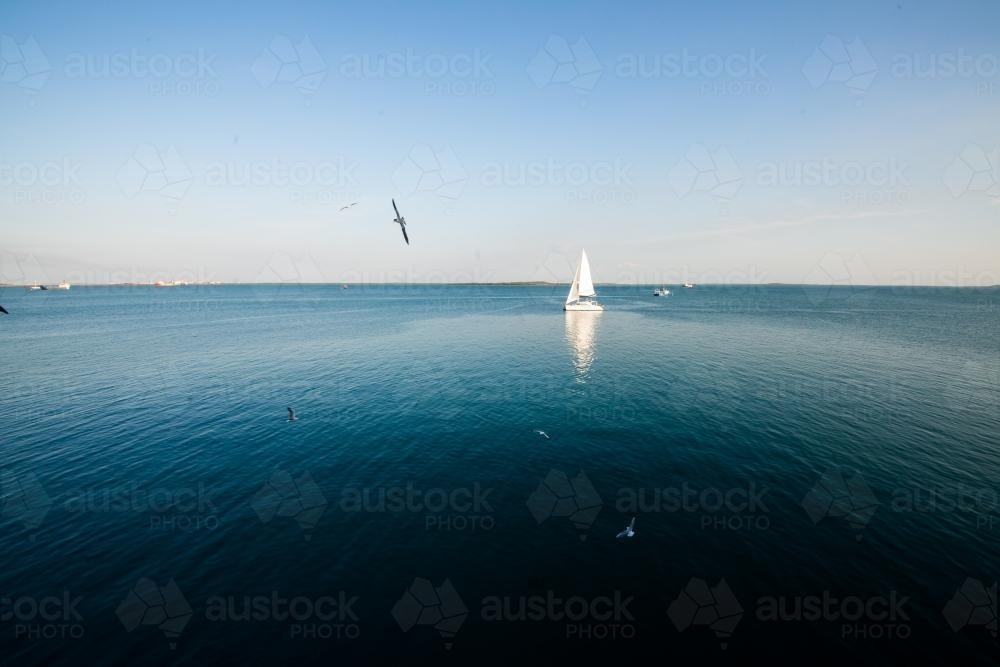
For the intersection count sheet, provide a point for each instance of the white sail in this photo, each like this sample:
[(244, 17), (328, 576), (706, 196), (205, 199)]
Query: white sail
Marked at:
[(574, 289), (581, 292), (586, 285)]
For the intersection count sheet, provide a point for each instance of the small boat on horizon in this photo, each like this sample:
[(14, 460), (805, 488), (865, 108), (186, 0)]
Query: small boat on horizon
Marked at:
[(661, 291), (582, 295), (687, 284)]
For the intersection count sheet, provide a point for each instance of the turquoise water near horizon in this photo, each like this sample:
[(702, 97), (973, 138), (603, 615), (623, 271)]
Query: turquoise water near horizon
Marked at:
[(146, 438)]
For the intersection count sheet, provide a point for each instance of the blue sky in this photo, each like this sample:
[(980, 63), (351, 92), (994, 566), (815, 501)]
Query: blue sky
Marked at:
[(713, 177)]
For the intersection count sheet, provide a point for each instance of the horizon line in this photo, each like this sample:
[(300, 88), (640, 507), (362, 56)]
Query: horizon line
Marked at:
[(511, 283)]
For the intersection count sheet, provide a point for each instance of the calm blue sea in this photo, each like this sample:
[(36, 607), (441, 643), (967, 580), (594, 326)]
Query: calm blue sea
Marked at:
[(814, 473)]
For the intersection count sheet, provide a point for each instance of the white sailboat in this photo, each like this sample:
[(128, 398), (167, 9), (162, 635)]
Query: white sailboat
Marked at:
[(581, 293)]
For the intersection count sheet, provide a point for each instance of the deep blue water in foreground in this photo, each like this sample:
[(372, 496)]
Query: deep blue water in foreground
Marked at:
[(145, 434)]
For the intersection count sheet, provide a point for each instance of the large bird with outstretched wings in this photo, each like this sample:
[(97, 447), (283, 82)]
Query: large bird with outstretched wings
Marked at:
[(401, 221)]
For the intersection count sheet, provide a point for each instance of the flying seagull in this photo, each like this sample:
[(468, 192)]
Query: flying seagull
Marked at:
[(291, 415), (4, 310), (542, 433), (402, 222), (353, 203), (629, 530)]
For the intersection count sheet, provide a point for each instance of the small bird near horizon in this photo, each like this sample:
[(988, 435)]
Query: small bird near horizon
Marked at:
[(353, 203), (401, 221), (629, 530), (4, 310), (543, 434), (291, 415)]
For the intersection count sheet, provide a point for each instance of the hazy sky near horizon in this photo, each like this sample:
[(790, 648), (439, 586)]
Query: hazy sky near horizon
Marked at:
[(750, 142)]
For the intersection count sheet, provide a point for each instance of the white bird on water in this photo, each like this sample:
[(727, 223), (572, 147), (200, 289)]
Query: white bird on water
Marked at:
[(291, 415), (629, 530), (543, 434)]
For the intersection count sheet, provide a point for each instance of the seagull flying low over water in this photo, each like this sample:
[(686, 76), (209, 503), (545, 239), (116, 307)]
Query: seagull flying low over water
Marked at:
[(402, 222), (4, 310), (353, 203), (291, 415), (629, 530), (542, 433)]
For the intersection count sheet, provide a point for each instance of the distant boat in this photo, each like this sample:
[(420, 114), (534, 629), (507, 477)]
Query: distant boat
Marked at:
[(581, 293), (661, 291), (687, 284), (63, 285)]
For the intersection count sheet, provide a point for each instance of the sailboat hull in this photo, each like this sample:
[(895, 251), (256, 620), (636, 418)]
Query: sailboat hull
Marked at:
[(583, 306)]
